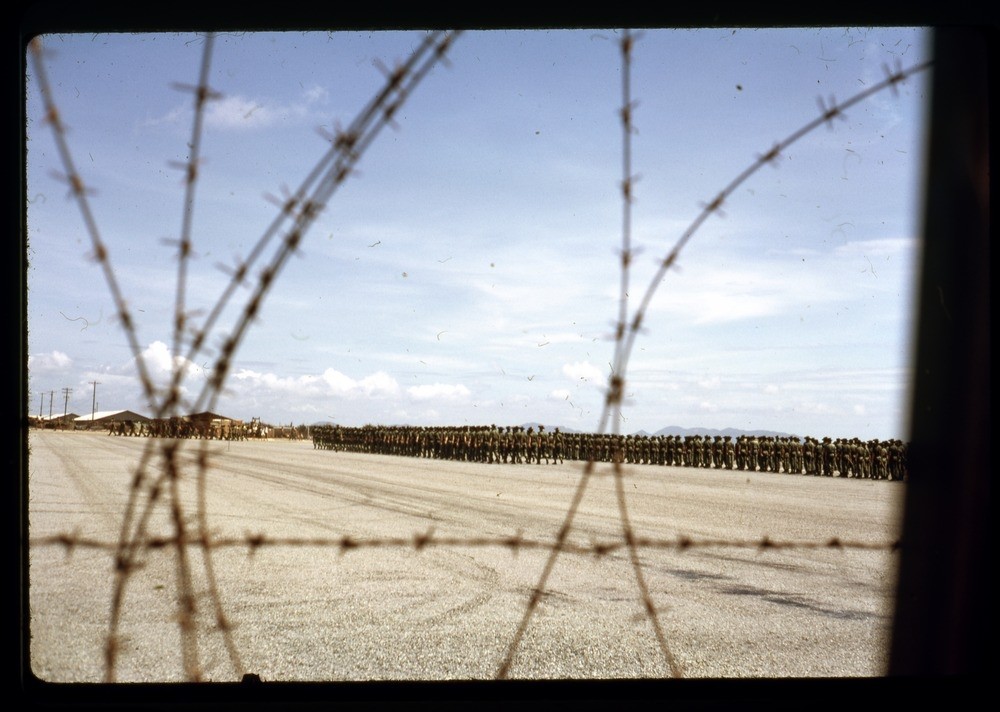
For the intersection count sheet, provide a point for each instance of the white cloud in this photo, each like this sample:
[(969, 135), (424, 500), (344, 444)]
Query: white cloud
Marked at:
[(237, 112), (176, 115), (330, 382), (442, 391), (159, 361), (262, 384), (560, 394), (878, 248), (584, 371), (157, 357), (315, 94), (49, 363), (810, 408), (719, 296), (338, 382), (379, 383)]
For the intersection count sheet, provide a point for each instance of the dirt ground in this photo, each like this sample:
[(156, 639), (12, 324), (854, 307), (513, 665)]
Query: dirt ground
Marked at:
[(303, 608)]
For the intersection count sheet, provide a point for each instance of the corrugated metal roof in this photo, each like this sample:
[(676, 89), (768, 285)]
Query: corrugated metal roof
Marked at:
[(111, 415)]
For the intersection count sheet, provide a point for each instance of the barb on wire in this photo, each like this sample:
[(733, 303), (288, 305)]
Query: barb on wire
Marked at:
[(612, 405), (670, 259), (300, 211), (296, 215), (80, 191), (252, 543), (626, 330), (202, 94)]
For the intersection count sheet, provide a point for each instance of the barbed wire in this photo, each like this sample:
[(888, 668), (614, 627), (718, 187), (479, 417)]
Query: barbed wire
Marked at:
[(295, 217), (73, 542), (300, 211)]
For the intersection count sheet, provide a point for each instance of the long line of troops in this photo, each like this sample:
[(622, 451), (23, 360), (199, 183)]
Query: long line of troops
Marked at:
[(842, 457), (185, 428)]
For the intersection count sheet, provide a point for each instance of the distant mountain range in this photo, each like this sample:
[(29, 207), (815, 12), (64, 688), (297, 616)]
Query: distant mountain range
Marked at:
[(677, 430), (669, 430), (733, 432)]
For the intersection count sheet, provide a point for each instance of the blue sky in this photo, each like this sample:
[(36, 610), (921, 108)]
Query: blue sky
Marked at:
[(468, 272)]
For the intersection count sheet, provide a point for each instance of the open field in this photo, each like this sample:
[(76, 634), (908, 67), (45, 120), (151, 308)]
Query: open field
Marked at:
[(449, 612)]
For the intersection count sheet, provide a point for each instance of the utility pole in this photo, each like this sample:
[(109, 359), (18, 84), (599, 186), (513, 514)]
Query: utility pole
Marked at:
[(41, 403), (93, 405), (51, 395), (66, 392)]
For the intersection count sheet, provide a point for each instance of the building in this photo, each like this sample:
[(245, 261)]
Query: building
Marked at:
[(54, 422), (102, 420)]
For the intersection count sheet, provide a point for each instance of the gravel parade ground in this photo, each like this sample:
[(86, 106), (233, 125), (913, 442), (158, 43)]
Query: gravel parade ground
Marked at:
[(397, 612)]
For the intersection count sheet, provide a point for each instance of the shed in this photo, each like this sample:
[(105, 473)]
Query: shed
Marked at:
[(102, 420)]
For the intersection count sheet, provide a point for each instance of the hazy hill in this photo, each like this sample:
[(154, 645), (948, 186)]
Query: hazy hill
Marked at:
[(670, 430), (733, 432), (549, 428), (677, 430)]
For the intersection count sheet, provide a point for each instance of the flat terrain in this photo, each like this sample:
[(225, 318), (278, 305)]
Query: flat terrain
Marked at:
[(314, 612)]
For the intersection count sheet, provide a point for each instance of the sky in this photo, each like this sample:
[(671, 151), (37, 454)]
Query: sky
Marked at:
[(468, 272)]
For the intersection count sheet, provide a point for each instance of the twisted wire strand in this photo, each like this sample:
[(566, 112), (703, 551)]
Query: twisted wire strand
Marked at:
[(79, 193), (345, 544), (826, 116), (300, 211), (326, 176)]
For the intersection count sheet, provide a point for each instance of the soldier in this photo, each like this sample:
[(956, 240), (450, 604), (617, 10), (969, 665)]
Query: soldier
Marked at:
[(544, 445), (809, 455), (866, 453), (656, 449), (753, 447), (880, 465), (897, 460), (506, 439), (829, 452), (681, 458), (693, 450), (840, 457), (603, 445), (490, 445), (775, 453), (728, 452), (782, 464), (741, 449), (558, 446), (465, 444), (520, 445), (794, 455), (717, 452), (764, 446)]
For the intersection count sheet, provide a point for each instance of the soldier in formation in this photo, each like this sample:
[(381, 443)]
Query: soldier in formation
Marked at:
[(875, 459), (176, 427)]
